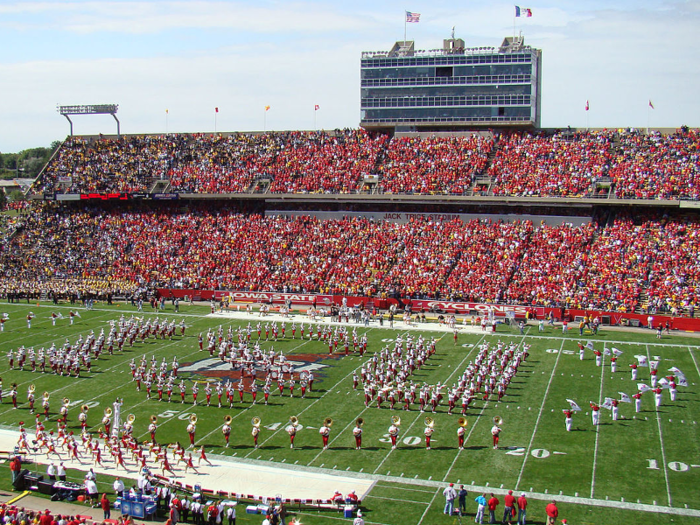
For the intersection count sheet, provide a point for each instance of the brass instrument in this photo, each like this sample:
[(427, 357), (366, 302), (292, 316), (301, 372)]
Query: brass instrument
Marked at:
[(108, 412), (84, 408), (462, 421), (193, 419), (255, 421), (395, 420), (66, 401), (228, 419), (154, 419), (32, 388), (360, 422), (294, 421), (429, 422), (131, 418), (46, 395), (328, 422), (498, 420)]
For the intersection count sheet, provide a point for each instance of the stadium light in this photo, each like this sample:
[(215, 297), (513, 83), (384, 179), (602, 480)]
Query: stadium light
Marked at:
[(89, 109)]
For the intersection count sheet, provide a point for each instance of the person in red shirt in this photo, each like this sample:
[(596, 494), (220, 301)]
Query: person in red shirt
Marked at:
[(552, 512), (508, 510), (492, 504), (522, 509)]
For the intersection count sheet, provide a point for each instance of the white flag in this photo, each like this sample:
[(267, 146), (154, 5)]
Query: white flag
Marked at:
[(606, 350), (574, 405), (589, 345), (607, 404), (654, 365), (664, 382), (616, 351), (624, 398), (680, 376), (642, 359), (643, 387)]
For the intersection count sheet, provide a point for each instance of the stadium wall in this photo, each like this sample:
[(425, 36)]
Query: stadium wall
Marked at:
[(435, 306)]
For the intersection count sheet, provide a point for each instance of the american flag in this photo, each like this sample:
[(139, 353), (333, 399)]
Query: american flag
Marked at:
[(412, 18)]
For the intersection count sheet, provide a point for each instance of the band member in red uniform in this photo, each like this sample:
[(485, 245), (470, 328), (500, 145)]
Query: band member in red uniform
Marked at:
[(394, 433), (357, 433), (192, 428), (292, 431), (595, 414), (496, 432), (325, 432), (568, 419), (226, 429)]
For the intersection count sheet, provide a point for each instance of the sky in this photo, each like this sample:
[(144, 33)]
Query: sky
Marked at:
[(169, 64)]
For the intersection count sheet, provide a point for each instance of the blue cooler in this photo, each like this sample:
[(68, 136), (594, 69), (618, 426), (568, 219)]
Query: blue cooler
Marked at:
[(347, 513), (251, 509)]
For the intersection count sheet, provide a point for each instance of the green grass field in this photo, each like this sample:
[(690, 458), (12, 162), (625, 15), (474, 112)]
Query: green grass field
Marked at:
[(652, 459)]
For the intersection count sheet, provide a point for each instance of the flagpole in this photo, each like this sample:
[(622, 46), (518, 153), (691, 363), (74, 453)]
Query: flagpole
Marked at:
[(215, 115), (404, 26), (314, 118), (166, 121), (265, 121), (648, 116)]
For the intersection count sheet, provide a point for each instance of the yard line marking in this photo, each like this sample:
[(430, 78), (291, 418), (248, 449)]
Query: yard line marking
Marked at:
[(437, 491), (345, 520), (458, 367), (539, 415), (597, 427), (661, 442), (328, 391), (690, 351), (396, 499), (466, 438)]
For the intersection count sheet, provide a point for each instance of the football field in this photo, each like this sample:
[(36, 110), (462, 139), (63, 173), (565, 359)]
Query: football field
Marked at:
[(629, 470)]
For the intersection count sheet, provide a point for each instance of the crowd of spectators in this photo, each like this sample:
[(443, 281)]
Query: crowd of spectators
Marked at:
[(625, 265), (654, 166), (539, 165), (561, 164), (434, 165)]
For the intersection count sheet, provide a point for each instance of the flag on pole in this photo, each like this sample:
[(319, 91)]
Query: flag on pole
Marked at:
[(616, 351), (642, 359), (589, 345), (216, 109), (522, 11), (654, 365), (574, 405), (643, 387), (316, 107), (267, 108), (651, 105), (606, 350), (624, 398), (412, 18), (588, 106), (607, 404), (682, 381)]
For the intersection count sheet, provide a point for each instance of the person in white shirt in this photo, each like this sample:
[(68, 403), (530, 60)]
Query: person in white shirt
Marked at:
[(358, 520), (118, 487)]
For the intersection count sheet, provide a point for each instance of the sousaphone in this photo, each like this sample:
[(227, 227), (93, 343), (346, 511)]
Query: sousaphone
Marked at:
[(108, 412), (32, 388), (462, 421), (396, 420), (328, 422), (193, 419), (359, 422), (131, 418), (66, 401), (154, 419), (498, 420), (429, 422), (294, 421), (84, 408), (228, 419), (255, 421)]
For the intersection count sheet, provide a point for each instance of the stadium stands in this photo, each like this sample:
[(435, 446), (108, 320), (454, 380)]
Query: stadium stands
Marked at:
[(561, 164), (627, 265)]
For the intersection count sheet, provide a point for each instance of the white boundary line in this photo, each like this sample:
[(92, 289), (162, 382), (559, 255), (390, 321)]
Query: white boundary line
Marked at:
[(597, 427), (437, 491), (456, 369), (690, 351), (661, 442), (539, 415)]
